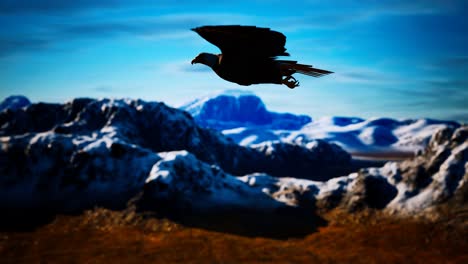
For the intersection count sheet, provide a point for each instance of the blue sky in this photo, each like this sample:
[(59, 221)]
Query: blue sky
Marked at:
[(400, 59)]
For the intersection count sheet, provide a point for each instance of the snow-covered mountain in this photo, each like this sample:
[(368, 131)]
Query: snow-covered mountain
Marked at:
[(415, 187), (90, 151), (236, 108), (14, 102), (87, 153), (373, 135), (242, 116)]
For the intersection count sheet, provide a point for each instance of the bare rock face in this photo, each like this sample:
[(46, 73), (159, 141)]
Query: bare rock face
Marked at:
[(416, 187), (317, 160), (420, 185), (437, 174)]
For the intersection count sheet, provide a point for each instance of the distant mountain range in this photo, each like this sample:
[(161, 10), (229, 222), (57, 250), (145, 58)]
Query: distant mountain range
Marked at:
[(236, 108), (243, 117)]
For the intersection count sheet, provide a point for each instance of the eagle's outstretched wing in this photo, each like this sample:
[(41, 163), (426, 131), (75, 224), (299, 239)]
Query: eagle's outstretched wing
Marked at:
[(238, 40)]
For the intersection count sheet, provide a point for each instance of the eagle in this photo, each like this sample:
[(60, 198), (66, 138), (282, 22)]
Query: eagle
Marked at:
[(249, 56)]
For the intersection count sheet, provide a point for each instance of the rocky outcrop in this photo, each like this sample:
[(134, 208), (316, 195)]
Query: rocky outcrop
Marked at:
[(89, 152), (414, 187)]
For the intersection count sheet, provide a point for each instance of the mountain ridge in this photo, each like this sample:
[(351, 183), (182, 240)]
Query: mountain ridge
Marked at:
[(353, 134), (97, 149), (87, 152)]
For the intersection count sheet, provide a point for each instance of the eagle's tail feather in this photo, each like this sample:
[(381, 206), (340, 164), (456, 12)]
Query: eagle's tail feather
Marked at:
[(303, 69)]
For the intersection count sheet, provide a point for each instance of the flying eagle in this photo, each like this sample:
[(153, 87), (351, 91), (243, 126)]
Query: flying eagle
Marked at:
[(249, 56)]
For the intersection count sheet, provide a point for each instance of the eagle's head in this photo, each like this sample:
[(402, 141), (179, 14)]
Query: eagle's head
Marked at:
[(207, 59)]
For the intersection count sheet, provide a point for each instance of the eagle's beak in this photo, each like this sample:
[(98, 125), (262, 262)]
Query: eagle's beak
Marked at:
[(196, 60)]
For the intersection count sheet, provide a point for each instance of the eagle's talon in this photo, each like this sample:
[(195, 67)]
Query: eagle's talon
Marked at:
[(290, 82)]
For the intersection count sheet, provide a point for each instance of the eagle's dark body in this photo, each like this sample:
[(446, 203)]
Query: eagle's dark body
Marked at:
[(259, 70), (249, 56)]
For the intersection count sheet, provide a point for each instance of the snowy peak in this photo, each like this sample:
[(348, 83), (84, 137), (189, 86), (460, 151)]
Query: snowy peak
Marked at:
[(243, 117), (232, 109), (245, 108), (195, 106), (14, 102)]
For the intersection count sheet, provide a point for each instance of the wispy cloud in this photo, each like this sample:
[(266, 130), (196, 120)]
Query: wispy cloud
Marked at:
[(444, 93), (45, 34), (454, 62), (193, 68), (352, 12), (10, 46), (448, 83), (104, 89), (175, 23), (417, 7), (74, 19), (63, 7), (362, 75), (182, 67), (53, 6)]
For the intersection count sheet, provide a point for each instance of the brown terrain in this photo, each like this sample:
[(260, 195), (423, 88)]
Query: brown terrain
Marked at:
[(105, 236)]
